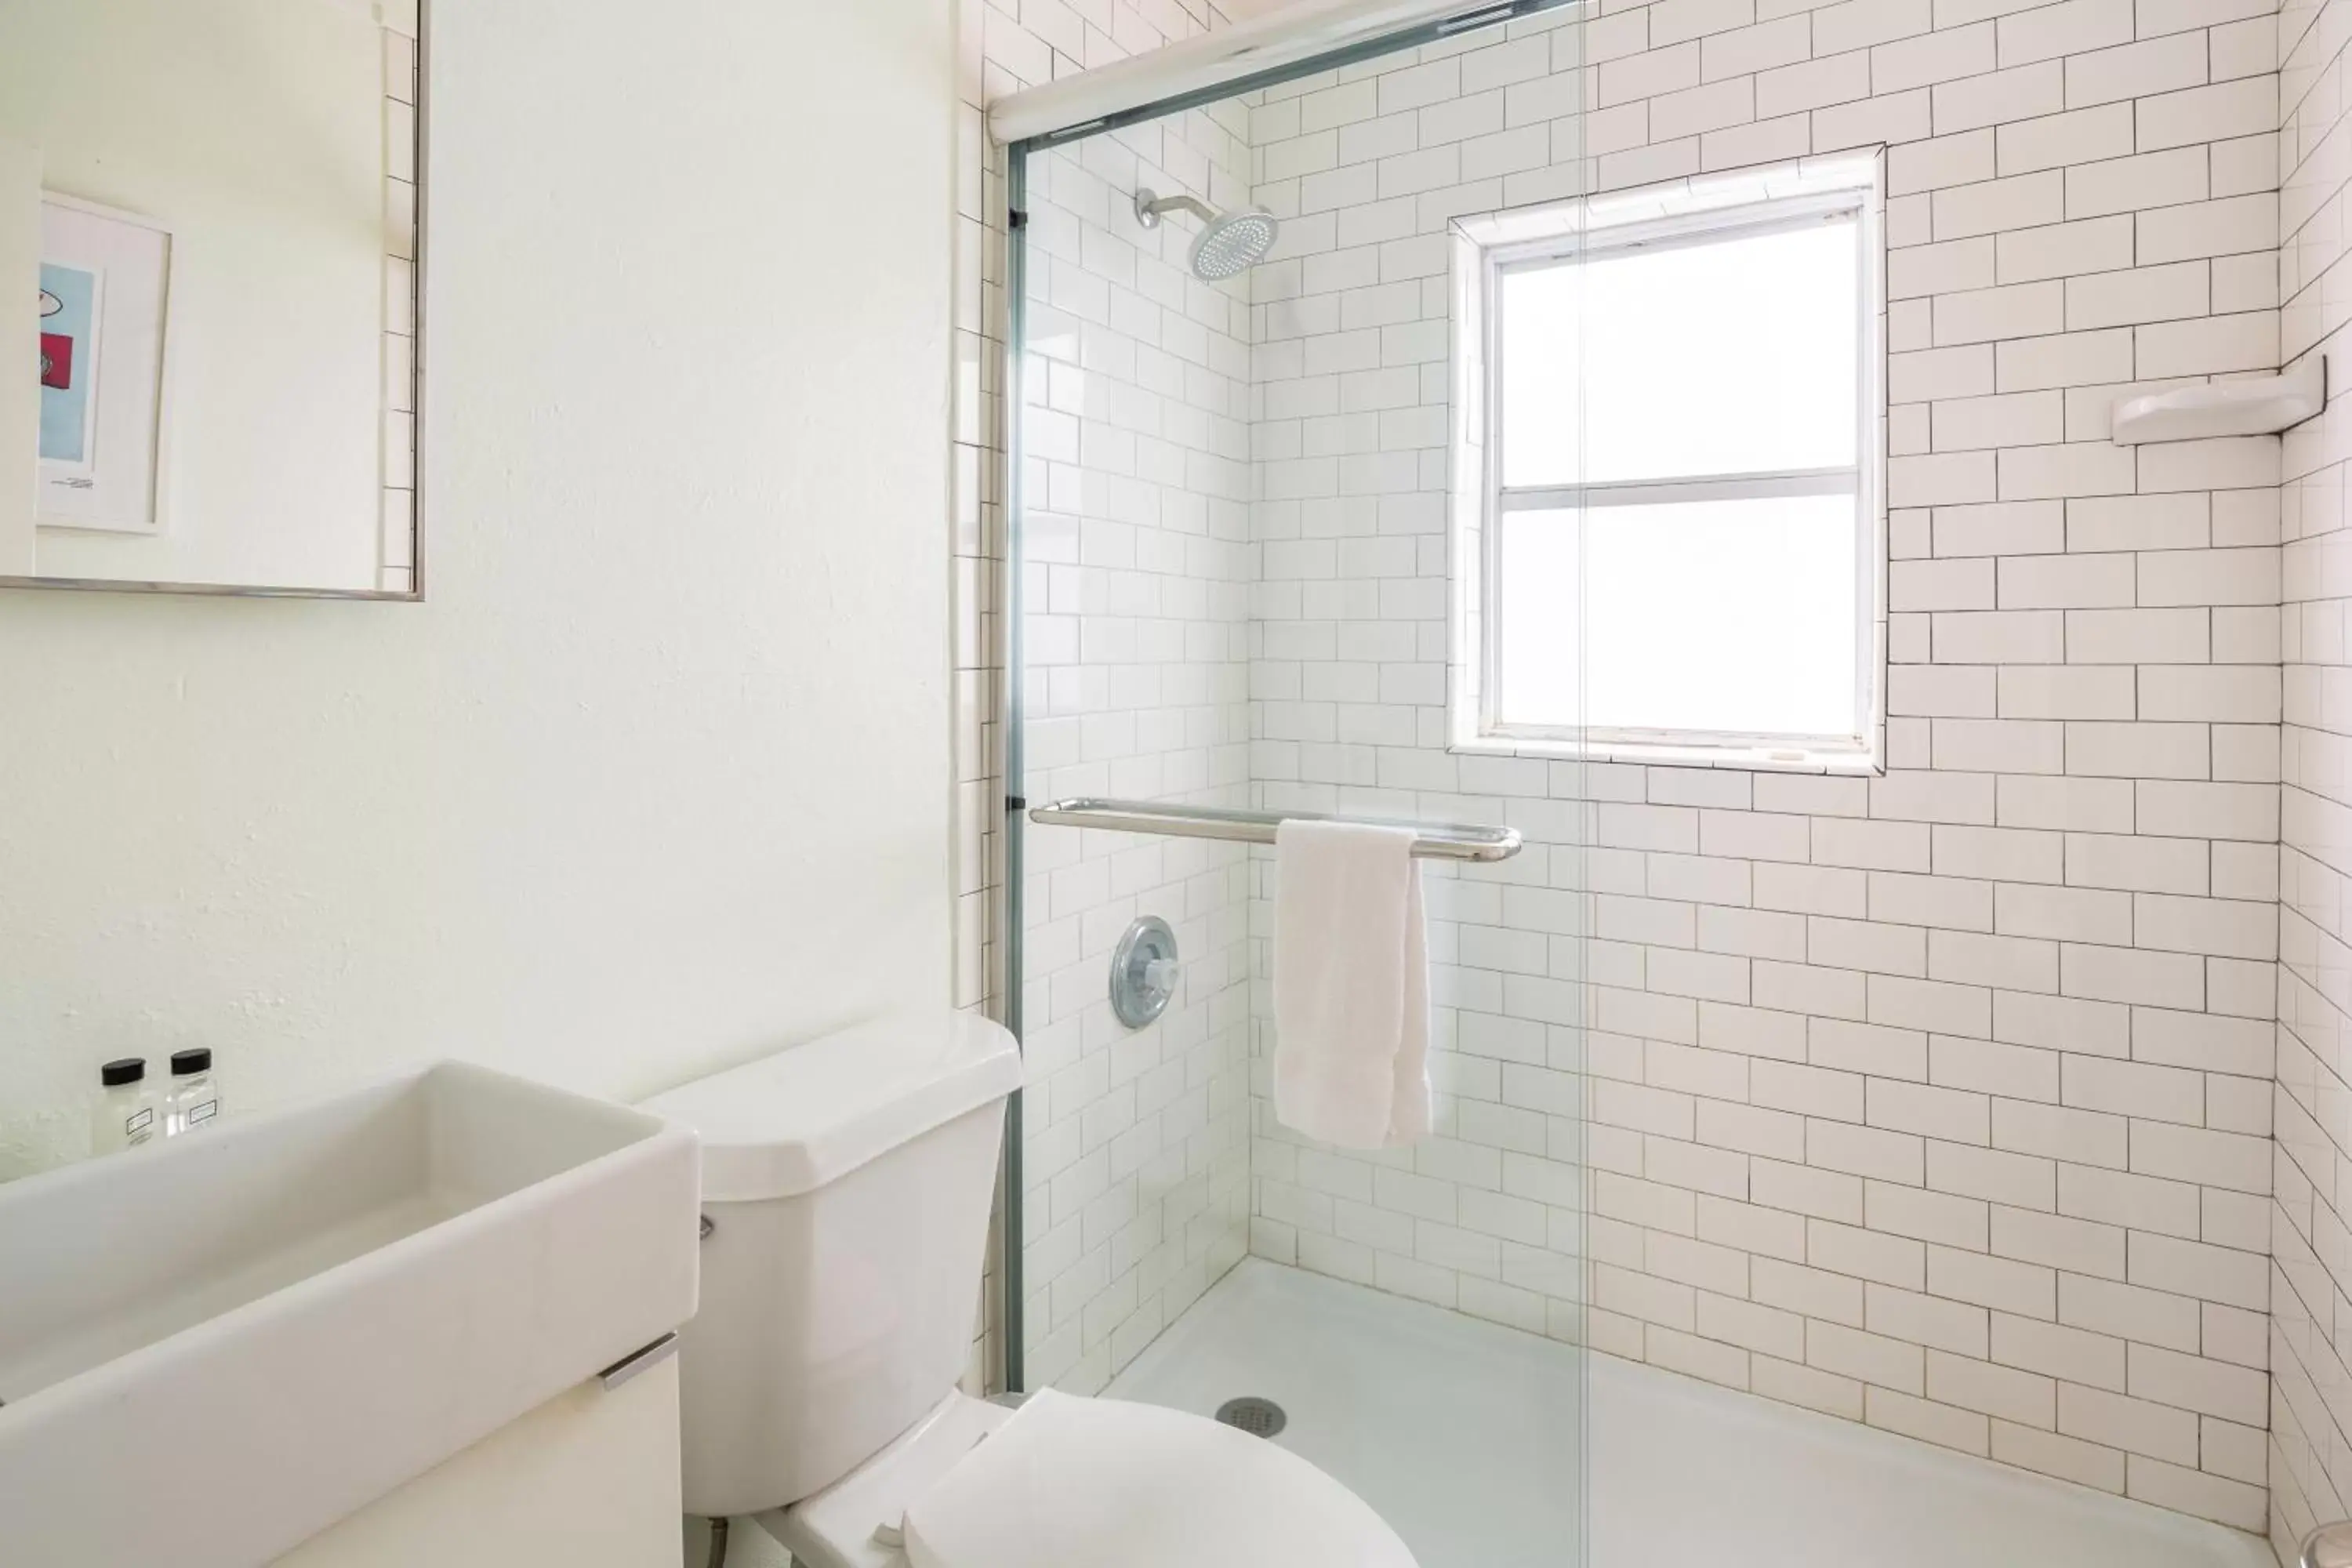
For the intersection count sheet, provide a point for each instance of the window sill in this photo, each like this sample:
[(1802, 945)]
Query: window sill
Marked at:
[(1834, 764)]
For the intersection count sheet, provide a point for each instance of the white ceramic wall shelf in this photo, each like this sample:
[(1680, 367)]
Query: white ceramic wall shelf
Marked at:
[(2261, 406)]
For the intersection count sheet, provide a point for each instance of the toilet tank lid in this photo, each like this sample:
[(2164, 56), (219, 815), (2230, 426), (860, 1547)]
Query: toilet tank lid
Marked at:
[(788, 1124)]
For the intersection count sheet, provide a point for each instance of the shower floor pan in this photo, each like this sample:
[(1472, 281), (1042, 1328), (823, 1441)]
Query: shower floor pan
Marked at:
[(1467, 1438)]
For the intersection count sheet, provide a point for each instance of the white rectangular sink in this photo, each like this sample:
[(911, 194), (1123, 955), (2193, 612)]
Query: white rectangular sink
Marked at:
[(213, 1347)]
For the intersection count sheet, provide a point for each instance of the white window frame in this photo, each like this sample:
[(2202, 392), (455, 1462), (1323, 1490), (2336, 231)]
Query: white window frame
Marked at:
[(1689, 213)]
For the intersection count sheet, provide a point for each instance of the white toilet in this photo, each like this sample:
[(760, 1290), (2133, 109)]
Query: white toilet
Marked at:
[(847, 1186)]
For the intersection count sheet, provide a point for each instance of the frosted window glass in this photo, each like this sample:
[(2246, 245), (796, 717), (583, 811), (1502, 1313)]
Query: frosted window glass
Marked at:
[(1736, 616), (1726, 356)]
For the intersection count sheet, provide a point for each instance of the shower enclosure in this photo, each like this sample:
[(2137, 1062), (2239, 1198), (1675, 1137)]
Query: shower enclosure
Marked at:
[(1852, 1138), (1234, 422)]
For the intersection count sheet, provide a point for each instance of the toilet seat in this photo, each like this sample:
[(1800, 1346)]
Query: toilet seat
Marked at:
[(1070, 1482)]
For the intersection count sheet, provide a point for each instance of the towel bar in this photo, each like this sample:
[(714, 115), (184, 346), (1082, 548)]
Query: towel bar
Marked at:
[(1436, 840)]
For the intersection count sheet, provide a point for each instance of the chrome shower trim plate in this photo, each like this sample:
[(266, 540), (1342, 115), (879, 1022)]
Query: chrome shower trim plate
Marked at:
[(1143, 971)]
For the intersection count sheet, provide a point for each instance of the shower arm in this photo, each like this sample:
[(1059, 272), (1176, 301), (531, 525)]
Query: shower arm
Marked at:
[(1147, 207)]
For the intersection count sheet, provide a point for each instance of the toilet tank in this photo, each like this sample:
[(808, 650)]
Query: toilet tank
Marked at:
[(846, 1184)]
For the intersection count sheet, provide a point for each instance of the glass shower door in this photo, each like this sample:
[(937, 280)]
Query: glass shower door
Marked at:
[(1240, 527)]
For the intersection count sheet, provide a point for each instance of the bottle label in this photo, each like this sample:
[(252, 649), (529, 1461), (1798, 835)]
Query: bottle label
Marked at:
[(138, 1123), (200, 1114)]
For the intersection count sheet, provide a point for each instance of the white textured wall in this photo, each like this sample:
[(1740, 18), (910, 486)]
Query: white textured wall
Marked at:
[(1938, 1101), (659, 776)]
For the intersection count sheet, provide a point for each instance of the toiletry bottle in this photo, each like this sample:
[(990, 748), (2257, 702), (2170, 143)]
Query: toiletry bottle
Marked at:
[(194, 1098), (123, 1115)]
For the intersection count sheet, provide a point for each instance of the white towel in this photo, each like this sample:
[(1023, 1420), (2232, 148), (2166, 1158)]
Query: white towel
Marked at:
[(1350, 986)]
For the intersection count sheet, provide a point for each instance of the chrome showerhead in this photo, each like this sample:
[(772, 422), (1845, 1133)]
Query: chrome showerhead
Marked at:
[(1234, 243), (1228, 243)]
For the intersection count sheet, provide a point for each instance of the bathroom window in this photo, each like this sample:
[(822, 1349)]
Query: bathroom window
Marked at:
[(1675, 548)]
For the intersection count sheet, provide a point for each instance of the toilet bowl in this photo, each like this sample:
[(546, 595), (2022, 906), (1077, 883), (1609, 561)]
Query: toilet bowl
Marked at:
[(846, 1186)]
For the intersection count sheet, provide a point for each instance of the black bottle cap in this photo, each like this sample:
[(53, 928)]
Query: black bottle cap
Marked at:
[(199, 1060), (122, 1070)]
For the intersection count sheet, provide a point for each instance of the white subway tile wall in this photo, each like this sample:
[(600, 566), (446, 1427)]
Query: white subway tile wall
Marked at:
[(2311, 1318), (1941, 1101), (1003, 48), (1938, 1101)]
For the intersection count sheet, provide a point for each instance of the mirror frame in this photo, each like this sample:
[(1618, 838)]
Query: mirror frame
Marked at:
[(415, 592)]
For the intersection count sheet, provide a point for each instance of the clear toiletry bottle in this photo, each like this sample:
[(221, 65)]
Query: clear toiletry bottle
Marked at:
[(124, 1115), (195, 1099)]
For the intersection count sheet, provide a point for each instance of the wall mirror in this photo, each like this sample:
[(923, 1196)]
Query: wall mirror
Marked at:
[(216, 205)]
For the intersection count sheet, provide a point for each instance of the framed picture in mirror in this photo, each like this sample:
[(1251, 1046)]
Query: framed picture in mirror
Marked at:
[(105, 311)]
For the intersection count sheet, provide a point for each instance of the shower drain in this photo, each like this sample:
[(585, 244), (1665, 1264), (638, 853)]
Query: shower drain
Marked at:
[(1258, 1417)]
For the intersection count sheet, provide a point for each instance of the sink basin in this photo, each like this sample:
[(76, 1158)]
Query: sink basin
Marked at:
[(213, 1347)]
